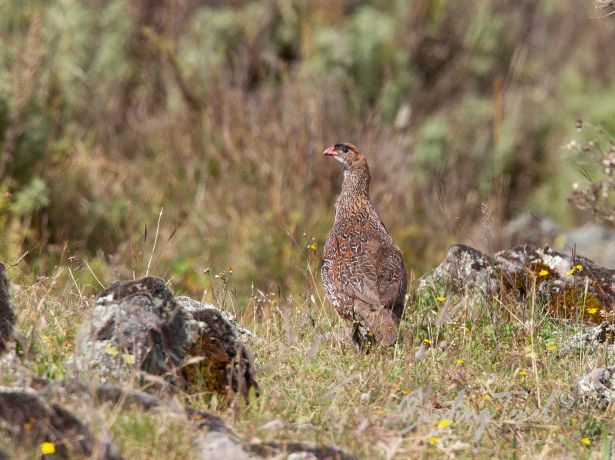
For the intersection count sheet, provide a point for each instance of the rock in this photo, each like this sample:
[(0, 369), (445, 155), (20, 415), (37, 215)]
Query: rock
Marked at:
[(593, 240), (7, 318), (188, 304), (298, 451), (590, 339), (597, 387), (570, 287), (30, 419), (227, 362), (139, 328), (463, 268), (34, 415), (218, 442)]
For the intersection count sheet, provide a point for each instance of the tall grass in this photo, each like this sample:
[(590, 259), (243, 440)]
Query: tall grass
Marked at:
[(110, 111)]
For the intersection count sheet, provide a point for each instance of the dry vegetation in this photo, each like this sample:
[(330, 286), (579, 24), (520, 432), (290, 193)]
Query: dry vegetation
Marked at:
[(182, 138)]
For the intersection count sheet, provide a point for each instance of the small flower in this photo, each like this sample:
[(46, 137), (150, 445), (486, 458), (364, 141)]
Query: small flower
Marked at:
[(591, 311), (312, 247), (427, 341), (440, 298), (586, 441), (486, 397), (111, 350), (445, 422), (433, 440), (543, 272), (521, 374), (459, 361), (128, 359), (48, 448), (576, 268)]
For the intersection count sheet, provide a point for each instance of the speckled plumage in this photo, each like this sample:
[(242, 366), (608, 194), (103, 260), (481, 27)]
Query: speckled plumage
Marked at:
[(363, 270)]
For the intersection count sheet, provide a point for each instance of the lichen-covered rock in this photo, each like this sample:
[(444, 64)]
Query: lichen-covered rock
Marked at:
[(138, 328), (216, 441), (227, 363), (570, 286), (7, 318), (463, 268), (54, 411), (31, 420), (598, 387), (135, 325), (590, 339), (298, 451), (189, 305)]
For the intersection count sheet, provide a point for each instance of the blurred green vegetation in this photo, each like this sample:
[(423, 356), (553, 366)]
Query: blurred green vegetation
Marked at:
[(216, 112)]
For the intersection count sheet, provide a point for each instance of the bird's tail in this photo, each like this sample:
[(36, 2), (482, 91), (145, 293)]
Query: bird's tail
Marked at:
[(382, 326)]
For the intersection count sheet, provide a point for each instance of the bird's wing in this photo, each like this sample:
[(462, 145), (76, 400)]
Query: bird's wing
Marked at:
[(392, 278), (379, 274)]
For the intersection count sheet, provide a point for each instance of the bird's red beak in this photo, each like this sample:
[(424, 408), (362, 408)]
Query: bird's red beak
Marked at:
[(330, 152)]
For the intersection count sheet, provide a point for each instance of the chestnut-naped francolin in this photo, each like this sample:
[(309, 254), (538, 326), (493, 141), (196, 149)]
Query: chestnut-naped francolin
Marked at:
[(363, 270)]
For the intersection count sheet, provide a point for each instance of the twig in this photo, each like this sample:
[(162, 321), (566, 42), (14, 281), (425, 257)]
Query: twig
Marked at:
[(149, 262)]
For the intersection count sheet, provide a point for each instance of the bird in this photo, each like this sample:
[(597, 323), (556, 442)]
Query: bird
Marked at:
[(363, 271)]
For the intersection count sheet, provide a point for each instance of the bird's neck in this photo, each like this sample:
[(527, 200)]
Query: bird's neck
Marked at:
[(355, 191)]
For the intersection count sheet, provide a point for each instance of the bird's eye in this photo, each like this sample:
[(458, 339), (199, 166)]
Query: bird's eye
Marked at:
[(344, 149)]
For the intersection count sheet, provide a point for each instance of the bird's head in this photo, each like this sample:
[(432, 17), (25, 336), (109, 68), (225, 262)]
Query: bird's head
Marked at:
[(347, 154)]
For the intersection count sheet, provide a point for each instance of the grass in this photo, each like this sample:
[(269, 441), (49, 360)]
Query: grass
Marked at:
[(185, 142), (487, 383)]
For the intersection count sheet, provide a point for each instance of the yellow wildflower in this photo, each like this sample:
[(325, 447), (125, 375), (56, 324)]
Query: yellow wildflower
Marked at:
[(433, 440), (440, 298), (111, 350), (543, 272), (592, 310), (576, 268), (312, 247), (128, 359), (521, 374), (444, 423), (459, 361), (48, 448), (427, 341), (586, 441), (486, 397)]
